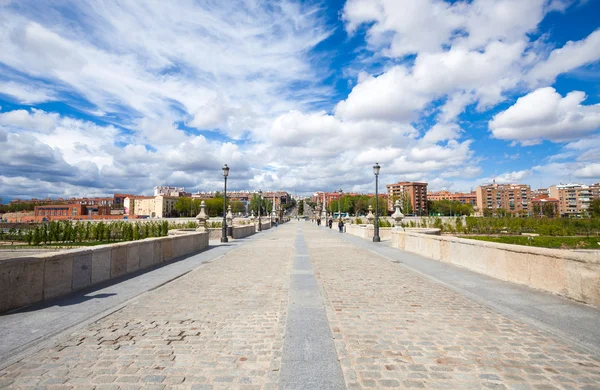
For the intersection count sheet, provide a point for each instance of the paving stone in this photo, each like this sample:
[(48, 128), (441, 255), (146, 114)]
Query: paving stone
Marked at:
[(214, 326), (409, 329), (222, 326)]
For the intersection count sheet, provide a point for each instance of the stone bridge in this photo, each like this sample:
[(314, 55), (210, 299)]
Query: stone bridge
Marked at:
[(302, 307)]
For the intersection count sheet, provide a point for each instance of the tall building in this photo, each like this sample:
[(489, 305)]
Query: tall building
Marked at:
[(462, 197), (159, 206), (414, 192), (512, 198), (574, 199)]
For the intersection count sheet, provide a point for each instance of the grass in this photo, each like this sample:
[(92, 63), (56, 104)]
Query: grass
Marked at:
[(544, 241)]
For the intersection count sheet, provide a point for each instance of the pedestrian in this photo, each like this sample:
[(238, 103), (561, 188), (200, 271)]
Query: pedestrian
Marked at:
[(341, 226), (330, 223), (276, 222)]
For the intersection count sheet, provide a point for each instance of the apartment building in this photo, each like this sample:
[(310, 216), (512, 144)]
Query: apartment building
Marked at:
[(415, 192), (159, 206), (512, 198), (462, 197), (574, 199)]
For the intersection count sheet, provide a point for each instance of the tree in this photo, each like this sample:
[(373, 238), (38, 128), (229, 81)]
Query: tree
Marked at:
[(255, 203), (406, 204), (382, 204), (594, 209), (238, 207), (301, 208)]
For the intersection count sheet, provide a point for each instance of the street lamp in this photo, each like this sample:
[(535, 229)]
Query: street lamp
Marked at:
[(224, 229), (259, 206), (340, 205), (376, 169)]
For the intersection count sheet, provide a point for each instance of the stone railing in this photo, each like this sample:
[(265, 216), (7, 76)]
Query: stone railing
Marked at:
[(243, 231), (367, 231), (572, 274), (27, 280)]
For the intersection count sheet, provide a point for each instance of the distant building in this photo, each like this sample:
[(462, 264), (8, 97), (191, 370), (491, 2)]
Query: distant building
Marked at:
[(171, 191), (69, 211), (544, 206), (540, 193), (511, 198), (462, 197), (574, 199), (159, 206), (407, 190)]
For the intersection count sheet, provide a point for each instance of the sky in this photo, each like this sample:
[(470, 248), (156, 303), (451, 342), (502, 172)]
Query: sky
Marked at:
[(102, 97)]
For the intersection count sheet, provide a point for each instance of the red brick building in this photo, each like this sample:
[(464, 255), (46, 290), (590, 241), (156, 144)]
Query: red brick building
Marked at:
[(70, 211)]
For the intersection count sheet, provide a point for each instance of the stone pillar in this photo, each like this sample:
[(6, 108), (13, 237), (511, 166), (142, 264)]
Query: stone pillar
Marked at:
[(370, 216), (229, 219), (397, 216), (202, 218)]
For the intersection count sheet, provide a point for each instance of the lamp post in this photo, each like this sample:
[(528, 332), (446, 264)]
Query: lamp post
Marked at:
[(376, 169), (224, 229), (259, 206), (340, 205)]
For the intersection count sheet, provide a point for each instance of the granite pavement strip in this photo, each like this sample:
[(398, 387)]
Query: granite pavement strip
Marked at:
[(394, 328), (219, 326)]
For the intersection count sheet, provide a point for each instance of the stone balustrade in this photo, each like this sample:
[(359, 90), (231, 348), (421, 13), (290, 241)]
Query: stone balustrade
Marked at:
[(572, 274), (27, 280)]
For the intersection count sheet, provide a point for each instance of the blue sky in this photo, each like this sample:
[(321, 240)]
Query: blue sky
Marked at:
[(99, 96)]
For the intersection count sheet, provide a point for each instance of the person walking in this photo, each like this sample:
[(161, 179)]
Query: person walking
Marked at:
[(330, 223), (341, 226)]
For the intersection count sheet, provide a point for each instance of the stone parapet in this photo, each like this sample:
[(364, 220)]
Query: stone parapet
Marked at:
[(27, 280), (367, 231), (571, 274), (243, 231)]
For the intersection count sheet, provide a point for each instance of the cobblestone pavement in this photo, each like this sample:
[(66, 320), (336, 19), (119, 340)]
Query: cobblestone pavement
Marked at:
[(396, 329), (220, 326)]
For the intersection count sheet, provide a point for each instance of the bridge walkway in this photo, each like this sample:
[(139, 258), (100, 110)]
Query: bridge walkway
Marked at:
[(304, 307)]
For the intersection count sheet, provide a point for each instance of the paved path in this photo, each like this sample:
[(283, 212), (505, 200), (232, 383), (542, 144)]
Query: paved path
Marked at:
[(35, 324), (304, 299)]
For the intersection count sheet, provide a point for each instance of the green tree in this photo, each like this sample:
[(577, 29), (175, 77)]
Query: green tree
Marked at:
[(594, 209), (301, 208), (255, 203), (238, 207)]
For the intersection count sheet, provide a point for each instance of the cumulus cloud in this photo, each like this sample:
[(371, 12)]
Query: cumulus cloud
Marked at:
[(414, 26), (571, 56), (175, 92), (591, 171), (36, 120), (545, 114)]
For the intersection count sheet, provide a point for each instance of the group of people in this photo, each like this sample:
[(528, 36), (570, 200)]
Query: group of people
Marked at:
[(330, 223)]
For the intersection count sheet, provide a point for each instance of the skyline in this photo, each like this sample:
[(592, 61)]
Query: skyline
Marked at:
[(100, 97)]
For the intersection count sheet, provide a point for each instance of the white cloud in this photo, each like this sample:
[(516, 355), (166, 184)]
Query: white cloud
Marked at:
[(36, 120), (226, 65), (248, 70), (509, 177), (26, 94), (415, 26), (591, 171), (571, 56), (545, 114)]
